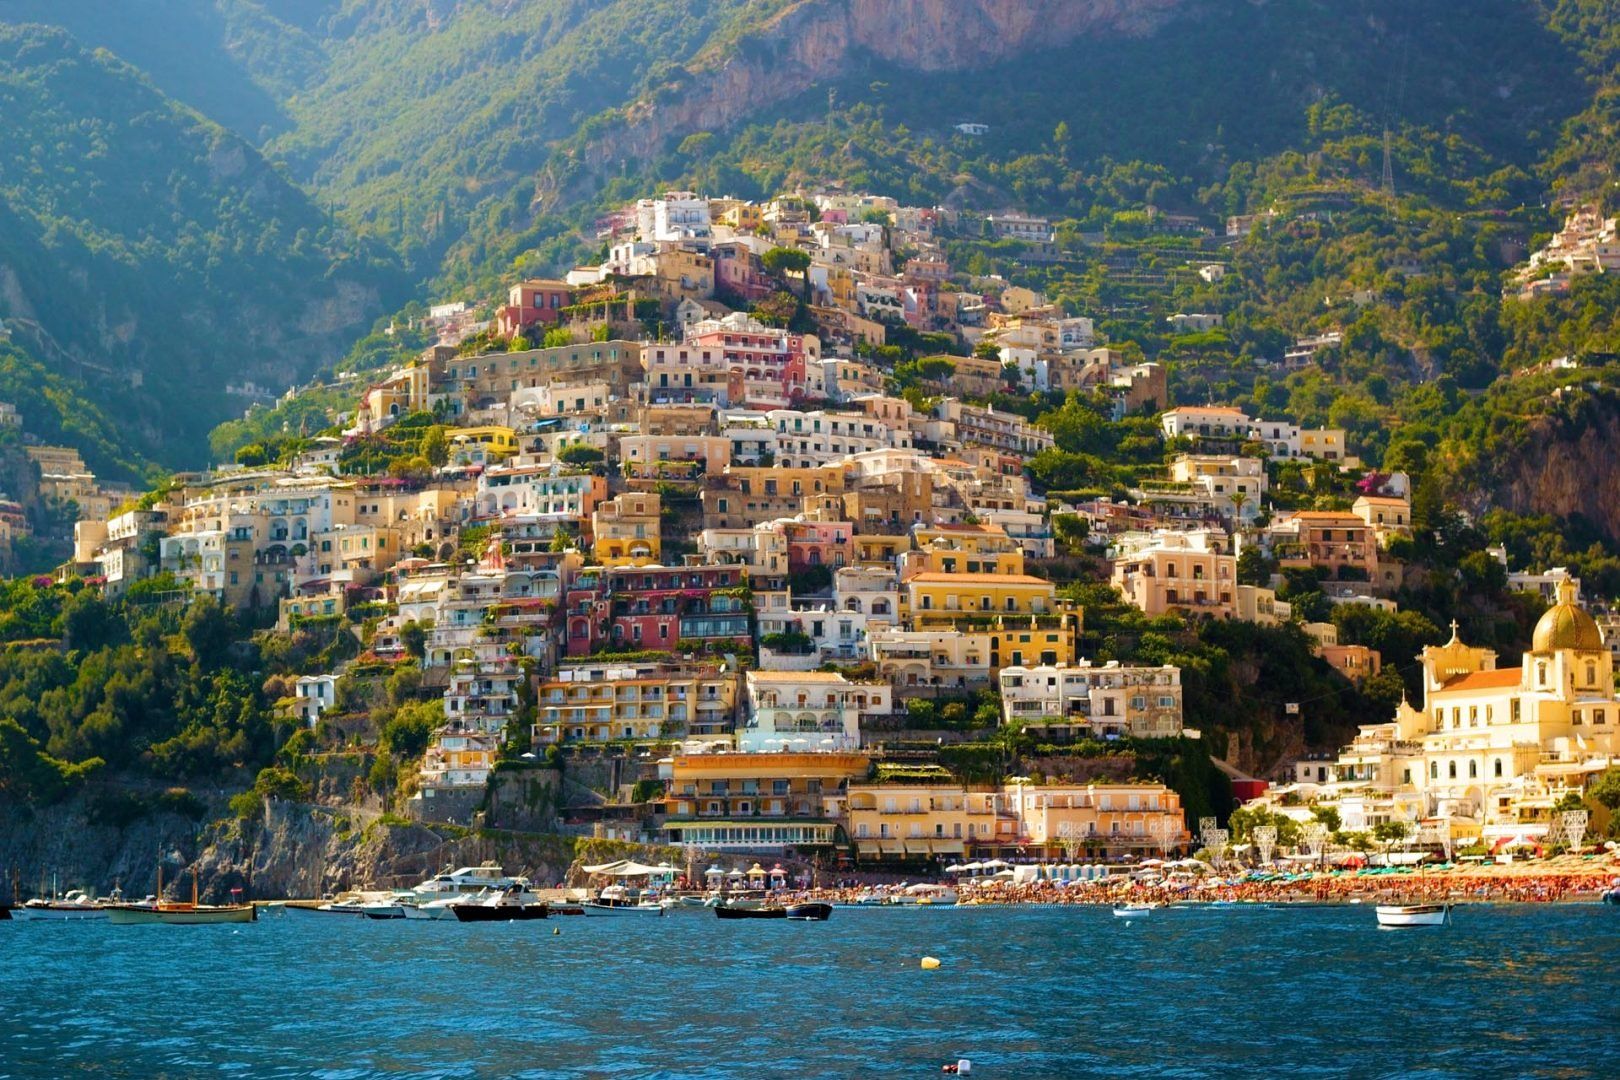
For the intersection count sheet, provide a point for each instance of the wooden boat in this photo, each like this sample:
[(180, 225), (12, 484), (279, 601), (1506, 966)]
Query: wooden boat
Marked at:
[(1396, 915), (178, 914), (175, 913), (725, 911), (812, 912)]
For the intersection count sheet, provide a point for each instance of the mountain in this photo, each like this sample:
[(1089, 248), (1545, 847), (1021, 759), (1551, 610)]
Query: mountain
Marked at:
[(152, 257)]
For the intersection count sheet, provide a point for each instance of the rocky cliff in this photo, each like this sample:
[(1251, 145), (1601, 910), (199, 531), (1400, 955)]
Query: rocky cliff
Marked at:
[(1563, 465), (114, 833), (814, 41)]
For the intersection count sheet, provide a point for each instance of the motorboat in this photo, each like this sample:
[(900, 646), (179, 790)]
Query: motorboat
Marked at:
[(1397, 915), (513, 904), (433, 909), (77, 904), (1130, 911), (608, 908), (383, 909), (615, 901), (684, 903), (810, 912), (925, 894), (465, 881)]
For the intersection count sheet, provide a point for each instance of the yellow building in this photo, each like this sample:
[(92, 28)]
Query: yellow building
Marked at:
[(625, 530), (482, 445), (766, 802), (934, 596), (606, 701), (930, 819)]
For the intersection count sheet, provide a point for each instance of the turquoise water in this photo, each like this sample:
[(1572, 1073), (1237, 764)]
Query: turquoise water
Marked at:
[(1505, 991)]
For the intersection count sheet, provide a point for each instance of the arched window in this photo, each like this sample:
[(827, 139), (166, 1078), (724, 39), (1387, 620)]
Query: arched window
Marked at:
[(1591, 673), (1451, 770), (1541, 673), (1473, 770)]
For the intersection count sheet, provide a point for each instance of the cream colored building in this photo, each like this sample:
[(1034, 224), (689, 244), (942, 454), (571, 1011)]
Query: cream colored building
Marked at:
[(1490, 750)]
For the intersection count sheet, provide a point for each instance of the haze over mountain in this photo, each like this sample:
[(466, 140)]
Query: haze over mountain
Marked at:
[(213, 192)]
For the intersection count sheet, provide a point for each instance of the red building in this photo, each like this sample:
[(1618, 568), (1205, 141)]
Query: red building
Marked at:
[(654, 607), (818, 543), (532, 303)]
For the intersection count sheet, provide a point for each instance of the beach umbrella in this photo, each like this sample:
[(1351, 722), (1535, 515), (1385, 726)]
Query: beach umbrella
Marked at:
[(714, 871)]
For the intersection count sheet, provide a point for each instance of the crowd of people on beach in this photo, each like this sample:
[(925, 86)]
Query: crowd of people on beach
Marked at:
[(1548, 887)]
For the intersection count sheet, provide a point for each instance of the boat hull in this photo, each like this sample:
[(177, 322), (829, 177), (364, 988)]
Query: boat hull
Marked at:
[(64, 913), (1131, 912), (809, 912), (199, 916), (499, 912), (1418, 915), (751, 913), (621, 911)]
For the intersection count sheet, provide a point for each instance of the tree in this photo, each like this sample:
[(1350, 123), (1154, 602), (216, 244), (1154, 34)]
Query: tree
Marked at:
[(782, 261), (580, 454), (207, 629), (1389, 833), (557, 338), (413, 639), (436, 446), (88, 623), (1329, 816)]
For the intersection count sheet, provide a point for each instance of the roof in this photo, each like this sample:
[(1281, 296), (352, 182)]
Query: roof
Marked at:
[(1226, 409), (1325, 515), (797, 676), (932, 578), (1384, 499), (1483, 680)]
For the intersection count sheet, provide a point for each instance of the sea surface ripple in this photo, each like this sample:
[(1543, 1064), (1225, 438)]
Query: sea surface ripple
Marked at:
[(1033, 992)]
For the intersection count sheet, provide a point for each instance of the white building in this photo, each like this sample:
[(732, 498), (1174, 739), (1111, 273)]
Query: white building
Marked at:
[(807, 710), (1107, 700)]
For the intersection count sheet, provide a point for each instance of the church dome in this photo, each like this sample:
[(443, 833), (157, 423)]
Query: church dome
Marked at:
[(1566, 626)]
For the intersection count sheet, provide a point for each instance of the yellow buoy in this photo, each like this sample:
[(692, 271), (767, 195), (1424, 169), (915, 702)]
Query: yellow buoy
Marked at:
[(929, 963), (556, 930)]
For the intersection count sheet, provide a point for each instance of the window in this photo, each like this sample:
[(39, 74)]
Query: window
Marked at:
[(1498, 767), (1434, 770), (1451, 770), (1473, 770)]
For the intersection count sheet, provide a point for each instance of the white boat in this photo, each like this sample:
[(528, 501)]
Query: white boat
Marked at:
[(1129, 911), (465, 882), (598, 907), (1413, 914), (433, 909), (76, 905), (925, 894)]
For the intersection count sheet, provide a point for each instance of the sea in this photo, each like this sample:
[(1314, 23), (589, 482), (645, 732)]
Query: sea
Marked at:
[(1249, 991)]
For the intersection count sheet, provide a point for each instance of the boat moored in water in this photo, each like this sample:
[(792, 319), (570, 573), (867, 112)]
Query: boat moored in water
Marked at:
[(76, 905), (513, 904), (1130, 911), (810, 912), (726, 911), (1397, 915)]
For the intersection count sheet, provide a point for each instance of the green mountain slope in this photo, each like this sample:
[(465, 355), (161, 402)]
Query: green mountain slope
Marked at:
[(152, 256)]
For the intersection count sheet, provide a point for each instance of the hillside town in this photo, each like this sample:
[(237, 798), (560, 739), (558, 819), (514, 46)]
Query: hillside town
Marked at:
[(747, 557)]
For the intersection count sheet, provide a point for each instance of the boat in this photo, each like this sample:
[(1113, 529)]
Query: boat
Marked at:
[(1127, 911), (178, 914), (508, 905), (615, 901), (925, 894), (5, 912), (76, 905), (464, 882), (1394, 915), (811, 912), (726, 911), (383, 909), (617, 908), (173, 913), (353, 908)]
